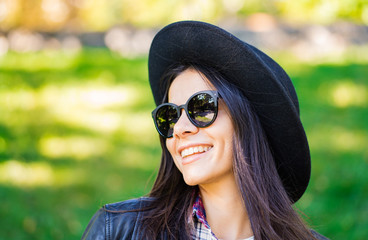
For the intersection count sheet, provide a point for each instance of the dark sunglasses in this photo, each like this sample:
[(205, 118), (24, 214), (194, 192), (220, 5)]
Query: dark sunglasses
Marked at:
[(201, 109)]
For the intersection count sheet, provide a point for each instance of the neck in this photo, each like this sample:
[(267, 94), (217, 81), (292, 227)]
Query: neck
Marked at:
[(225, 209)]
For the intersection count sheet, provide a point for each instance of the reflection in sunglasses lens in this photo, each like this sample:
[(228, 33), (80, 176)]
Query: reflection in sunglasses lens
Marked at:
[(201, 109), (166, 117)]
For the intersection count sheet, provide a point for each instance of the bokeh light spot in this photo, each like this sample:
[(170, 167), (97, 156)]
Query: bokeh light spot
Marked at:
[(327, 137), (346, 94), (26, 174), (55, 10), (77, 147)]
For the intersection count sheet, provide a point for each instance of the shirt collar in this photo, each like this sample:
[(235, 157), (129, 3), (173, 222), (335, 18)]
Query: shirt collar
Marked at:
[(199, 212)]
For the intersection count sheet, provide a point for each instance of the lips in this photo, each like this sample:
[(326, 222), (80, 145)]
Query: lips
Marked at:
[(188, 151)]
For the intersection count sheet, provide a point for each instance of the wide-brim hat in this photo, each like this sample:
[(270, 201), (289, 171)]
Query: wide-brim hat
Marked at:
[(264, 83)]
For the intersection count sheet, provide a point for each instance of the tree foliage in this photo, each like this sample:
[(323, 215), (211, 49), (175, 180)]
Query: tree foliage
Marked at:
[(96, 15)]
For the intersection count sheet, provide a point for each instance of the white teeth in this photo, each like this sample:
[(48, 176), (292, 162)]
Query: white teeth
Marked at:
[(193, 150), (190, 151)]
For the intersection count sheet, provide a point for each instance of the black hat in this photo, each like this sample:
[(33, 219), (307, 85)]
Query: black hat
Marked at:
[(264, 83)]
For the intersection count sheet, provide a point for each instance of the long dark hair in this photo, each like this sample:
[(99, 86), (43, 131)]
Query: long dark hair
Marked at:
[(269, 208)]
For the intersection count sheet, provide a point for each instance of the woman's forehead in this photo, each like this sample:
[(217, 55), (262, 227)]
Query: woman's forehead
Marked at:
[(186, 84)]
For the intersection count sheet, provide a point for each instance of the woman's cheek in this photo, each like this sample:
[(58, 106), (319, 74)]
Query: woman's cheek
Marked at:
[(177, 165), (170, 145)]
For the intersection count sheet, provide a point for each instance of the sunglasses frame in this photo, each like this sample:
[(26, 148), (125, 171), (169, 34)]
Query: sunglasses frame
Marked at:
[(213, 93)]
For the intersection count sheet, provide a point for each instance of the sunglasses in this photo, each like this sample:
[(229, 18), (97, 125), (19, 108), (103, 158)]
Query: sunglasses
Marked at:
[(201, 109)]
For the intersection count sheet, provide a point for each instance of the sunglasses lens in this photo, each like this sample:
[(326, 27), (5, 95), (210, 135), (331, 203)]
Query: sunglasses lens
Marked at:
[(202, 109), (166, 117)]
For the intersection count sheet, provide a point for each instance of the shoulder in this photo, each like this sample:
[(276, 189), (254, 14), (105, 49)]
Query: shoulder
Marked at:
[(318, 236), (116, 220), (129, 205)]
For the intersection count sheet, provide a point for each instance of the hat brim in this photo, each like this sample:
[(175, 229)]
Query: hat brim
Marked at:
[(262, 81)]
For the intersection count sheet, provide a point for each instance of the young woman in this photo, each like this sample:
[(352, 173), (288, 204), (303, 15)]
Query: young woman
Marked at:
[(234, 153)]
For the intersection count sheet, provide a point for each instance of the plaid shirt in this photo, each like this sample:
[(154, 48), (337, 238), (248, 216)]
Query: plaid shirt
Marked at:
[(202, 228)]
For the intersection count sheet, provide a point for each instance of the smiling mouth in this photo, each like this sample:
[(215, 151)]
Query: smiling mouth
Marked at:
[(194, 150)]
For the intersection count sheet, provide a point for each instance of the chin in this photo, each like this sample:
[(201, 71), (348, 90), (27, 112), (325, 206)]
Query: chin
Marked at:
[(191, 181)]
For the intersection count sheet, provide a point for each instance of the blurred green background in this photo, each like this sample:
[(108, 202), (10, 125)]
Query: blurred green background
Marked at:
[(75, 103)]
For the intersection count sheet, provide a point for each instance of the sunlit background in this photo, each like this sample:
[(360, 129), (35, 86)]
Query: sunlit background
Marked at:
[(75, 124)]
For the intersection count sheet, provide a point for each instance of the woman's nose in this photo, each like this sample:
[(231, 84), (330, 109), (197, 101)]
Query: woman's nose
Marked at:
[(184, 126)]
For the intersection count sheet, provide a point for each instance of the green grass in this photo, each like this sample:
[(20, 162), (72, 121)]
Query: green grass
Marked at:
[(76, 133)]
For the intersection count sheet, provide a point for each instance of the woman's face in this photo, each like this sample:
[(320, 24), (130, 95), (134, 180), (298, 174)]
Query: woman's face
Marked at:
[(211, 147)]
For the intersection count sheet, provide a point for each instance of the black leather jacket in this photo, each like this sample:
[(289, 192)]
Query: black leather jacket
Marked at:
[(111, 222)]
